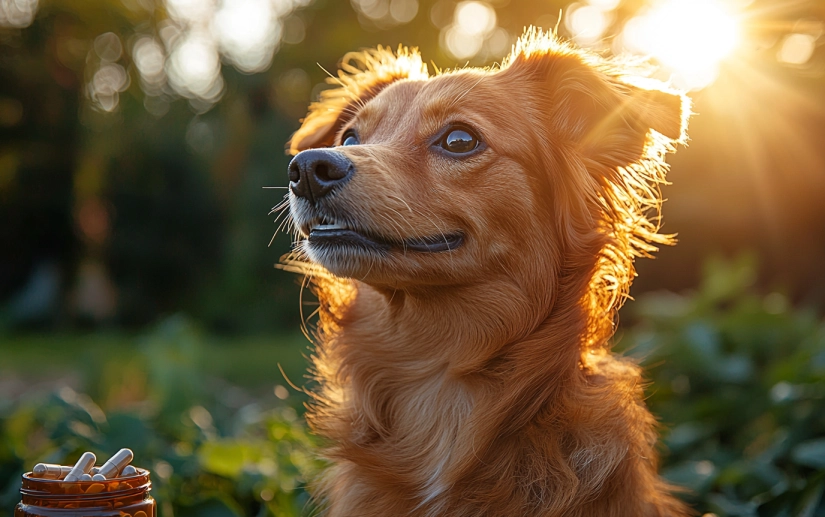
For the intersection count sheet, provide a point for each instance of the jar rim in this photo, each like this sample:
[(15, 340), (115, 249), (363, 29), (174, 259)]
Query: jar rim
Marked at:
[(55, 489)]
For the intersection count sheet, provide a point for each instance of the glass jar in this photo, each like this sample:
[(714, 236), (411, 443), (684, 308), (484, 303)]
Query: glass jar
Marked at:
[(122, 497)]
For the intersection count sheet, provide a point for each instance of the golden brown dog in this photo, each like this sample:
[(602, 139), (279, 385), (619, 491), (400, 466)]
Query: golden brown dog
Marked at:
[(471, 236)]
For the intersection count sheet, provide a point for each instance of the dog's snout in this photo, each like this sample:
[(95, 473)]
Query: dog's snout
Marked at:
[(314, 173)]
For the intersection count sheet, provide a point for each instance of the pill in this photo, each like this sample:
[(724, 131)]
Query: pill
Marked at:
[(128, 471), (99, 477), (50, 471), (140, 513), (72, 488), (96, 488), (83, 466), (85, 477), (115, 464)]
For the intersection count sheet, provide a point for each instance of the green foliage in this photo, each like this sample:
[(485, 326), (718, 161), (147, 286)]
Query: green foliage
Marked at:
[(209, 455), (738, 383)]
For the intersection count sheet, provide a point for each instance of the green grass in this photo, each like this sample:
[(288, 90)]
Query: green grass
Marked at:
[(249, 362)]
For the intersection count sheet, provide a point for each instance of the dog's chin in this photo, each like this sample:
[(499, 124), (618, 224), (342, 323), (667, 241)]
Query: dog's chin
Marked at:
[(350, 253)]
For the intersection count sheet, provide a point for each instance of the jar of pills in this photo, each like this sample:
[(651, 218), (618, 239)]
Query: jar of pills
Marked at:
[(120, 497)]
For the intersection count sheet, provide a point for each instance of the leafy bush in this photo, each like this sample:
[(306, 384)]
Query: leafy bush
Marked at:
[(738, 383), (237, 458), (737, 380)]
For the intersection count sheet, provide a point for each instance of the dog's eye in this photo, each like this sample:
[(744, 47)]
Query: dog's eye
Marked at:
[(459, 141), (350, 138)]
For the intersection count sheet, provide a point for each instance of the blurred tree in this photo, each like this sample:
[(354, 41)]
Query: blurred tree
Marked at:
[(136, 137)]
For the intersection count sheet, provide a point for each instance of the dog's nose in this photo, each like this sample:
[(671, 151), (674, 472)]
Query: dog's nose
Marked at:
[(314, 173)]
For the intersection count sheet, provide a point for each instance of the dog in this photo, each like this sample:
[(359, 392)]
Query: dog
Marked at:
[(470, 237)]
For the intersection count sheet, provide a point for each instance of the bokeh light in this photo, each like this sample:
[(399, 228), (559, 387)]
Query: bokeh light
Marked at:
[(604, 5), (796, 49), (587, 23), (108, 82), (248, 33), (190, 11), (690, 37), (403, 11), (475, 17), (373, 9), (472, 23), (17, 14), (110, 78), (499, 41), (108, 47), (194, 67), (196, 39), (294, 30), (150, 59), (386, 14)]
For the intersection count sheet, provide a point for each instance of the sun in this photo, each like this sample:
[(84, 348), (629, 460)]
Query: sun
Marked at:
[(690, 37)]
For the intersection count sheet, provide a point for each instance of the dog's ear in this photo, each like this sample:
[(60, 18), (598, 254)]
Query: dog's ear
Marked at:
[(611, 117), (596, 104), (361, 77)]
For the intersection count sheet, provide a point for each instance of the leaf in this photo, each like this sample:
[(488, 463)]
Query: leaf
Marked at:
[(229, 458), (127, 430), (686, 434), (695, 475), (215, 507), (704, 340), (810, 498), (730, 507), (810, 453)]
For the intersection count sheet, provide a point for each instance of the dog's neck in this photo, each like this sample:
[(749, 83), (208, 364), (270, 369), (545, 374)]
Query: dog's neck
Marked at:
[(408, 407), (429, 403)]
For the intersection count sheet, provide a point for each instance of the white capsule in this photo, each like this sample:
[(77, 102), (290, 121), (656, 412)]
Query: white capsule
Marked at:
[(128, 471), (115, 464), (50, 471), (83, 466), (98, 477), (85, 477)]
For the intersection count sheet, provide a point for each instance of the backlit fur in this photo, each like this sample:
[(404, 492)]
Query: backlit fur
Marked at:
[(479, 381)]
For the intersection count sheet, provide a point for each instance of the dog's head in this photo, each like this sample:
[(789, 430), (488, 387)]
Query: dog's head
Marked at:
[(545, 164)]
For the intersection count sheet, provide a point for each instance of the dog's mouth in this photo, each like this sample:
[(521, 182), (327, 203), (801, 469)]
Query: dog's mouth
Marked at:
[(326, 233)]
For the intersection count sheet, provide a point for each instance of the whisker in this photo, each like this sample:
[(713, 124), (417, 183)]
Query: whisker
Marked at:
[(424, 212), (397, 228), (335, 78), (372, 262), (446, 241), (274, 234), (405, 203), (279, 207), (280, 211), (412, 212), (304, 330), (278, 229)]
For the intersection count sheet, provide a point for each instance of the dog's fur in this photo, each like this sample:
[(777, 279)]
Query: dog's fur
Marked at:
[(478, 381)]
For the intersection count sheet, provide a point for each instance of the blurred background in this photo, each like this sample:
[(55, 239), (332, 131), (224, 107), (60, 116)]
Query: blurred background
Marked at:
[(142, 153)]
